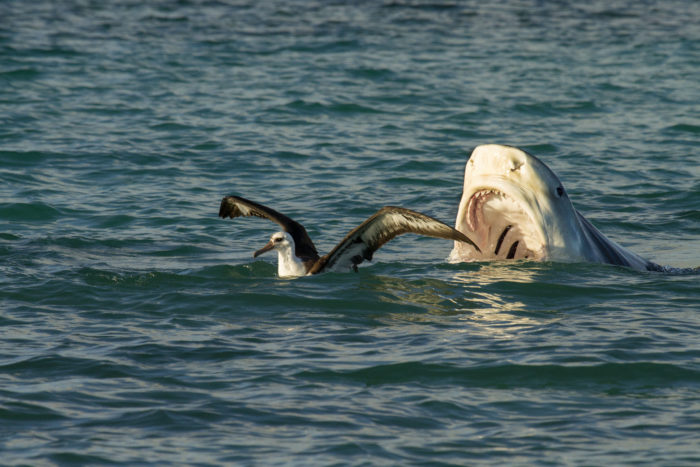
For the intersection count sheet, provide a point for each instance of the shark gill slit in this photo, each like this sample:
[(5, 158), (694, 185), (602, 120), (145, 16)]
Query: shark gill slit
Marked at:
[(511, 252), (500, 239)]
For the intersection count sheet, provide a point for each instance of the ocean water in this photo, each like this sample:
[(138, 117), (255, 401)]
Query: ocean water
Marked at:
[(137, 329)]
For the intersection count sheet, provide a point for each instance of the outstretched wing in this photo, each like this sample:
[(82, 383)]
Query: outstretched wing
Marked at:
[(385, 224), (235, 206)]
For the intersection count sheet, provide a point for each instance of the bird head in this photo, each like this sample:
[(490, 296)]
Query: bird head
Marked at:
[(280, 241)]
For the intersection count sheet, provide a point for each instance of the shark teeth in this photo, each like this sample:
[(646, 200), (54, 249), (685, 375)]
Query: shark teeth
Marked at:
[(476, 201)]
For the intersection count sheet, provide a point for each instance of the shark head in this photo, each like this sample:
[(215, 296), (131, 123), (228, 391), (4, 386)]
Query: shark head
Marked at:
[(514, 207)]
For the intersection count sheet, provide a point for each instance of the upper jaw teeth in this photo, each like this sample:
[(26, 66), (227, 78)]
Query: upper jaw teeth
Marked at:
[(483, 193), (477, 197)]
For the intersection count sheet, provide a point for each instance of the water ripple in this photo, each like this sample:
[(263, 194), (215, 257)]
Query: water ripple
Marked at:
[(138, 329)]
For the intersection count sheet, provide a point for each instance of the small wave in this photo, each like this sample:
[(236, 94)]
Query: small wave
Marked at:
[(241, 271), (95, 276), (684, 128), (19, 412), (9, 237), (555, 108), (81, 242), (313, 108), (75, 458), (326, 47), (171, 126), (111, 221), (379, 74), (515, 375), (98, 277), (54, 364), (20, 74), (680, 271), (28, 212), (180, 250)]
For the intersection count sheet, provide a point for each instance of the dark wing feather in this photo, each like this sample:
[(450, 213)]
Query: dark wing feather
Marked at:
[(235, 206), (385, 224)]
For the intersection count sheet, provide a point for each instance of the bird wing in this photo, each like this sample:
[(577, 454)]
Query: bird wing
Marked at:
[(236, 206), (385, 224)]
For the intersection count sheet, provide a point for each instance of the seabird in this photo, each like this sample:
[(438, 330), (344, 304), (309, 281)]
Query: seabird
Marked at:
[(297, 255)]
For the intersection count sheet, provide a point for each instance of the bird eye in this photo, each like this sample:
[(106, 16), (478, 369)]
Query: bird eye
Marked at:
[(560, 191), (278, 239)]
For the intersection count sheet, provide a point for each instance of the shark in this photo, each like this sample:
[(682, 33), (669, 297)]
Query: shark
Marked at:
[(514, 207)]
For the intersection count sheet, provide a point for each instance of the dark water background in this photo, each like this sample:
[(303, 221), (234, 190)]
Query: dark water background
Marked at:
[(136, 329)]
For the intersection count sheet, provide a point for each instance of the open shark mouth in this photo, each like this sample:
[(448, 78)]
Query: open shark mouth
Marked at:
[(501, 227)]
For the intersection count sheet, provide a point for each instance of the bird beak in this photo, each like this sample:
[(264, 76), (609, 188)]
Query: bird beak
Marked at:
[(264, 249)]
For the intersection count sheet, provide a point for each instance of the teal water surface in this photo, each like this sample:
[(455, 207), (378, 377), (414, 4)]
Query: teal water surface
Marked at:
[(137, 329)]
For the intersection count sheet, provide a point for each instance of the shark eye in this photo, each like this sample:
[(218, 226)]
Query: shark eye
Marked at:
[(560, 191)]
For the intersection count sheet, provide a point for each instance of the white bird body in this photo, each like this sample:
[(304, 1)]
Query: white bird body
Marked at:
[(288, 264)]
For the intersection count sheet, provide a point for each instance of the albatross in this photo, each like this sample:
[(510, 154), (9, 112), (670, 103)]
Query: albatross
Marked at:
[(297, 255)]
